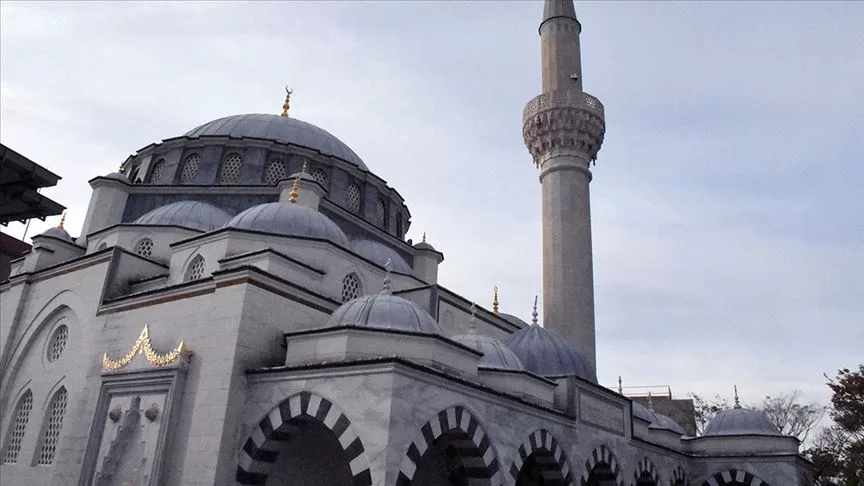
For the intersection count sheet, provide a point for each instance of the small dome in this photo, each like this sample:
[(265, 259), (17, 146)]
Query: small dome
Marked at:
[(188, 214), (741, 421), (543, 352), (380, 253), (384, 311), (290, 220), (495, 353), (513, 320), (57, 232), (424, 246), (281, 129), (643, 412), (662, 422)]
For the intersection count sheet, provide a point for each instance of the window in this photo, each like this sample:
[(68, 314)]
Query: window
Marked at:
[(231, 169), (195, 270), (144, 247), (352, 198), (399, 226), (320, 176), (57, 343), (380, 212), (274, 172), (156, 172), (17, 426), (190, 169), (350, 287), (51, 434), (101, 246)]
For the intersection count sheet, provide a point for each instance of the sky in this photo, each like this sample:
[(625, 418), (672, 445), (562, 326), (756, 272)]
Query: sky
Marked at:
[(728, 221)]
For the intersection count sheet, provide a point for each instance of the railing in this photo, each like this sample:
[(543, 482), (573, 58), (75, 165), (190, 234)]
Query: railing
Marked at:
[(562, 99)]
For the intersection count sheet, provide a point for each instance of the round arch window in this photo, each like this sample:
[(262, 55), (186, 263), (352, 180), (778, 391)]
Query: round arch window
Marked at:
[(350, 287), (57, 342), (144, 247)]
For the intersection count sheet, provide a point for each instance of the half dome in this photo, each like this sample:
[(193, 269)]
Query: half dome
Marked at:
[(384, 311), (188, 214), (495, 353), (380, 253), (289, 220), (281, 129), (544, 353), (741, 421)]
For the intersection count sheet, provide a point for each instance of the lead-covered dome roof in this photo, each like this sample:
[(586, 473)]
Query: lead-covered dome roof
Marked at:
[(380, 254), (289, 220), (188, 214), (545, 353), (664, 422), (495, 353), (57, 232), (741, 421), (280, 129), (384, 311)]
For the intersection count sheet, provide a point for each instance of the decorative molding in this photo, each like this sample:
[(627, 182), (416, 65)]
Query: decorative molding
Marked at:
[(144, 346), (564, 130)]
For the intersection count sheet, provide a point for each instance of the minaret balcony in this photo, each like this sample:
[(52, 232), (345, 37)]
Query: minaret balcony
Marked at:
[(562, 99)]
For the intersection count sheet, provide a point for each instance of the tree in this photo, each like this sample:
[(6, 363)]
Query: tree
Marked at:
[(790, 416), (839, 451), (707, 409)]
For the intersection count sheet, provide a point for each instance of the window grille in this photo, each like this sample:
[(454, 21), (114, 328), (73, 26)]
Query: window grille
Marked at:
[(380, 212), (275, 172), (144, 247), (320, 176), (350, 287), (231, 169), (17, 427), (56, 411), (156, 172), (190, 169), (57, 343), (195, 270), (353, 198)]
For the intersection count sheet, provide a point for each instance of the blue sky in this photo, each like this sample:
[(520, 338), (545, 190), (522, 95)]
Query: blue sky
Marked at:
[(726, 201)]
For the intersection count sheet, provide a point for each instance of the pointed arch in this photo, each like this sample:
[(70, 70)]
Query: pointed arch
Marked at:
[(602, 457), (733, 477), (644, 468), (17, 428), (679, 477), (259, 450), (543, 445), (469, 440)]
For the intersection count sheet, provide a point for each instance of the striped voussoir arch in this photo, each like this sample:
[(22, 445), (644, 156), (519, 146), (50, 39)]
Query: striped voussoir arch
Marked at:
[(645, 465), (602, 455), (261, 448), (548, 455), (734, 477), (679, 477), (471, 444)]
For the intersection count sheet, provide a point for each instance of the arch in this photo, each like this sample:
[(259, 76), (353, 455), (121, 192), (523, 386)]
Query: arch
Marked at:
[(189, 171), (733, 477), (646, 472), (195, 269), (602, 457), (352, 287), (156, 172), (470, 441), (258, 452), (353, 198), (101, 246), (274, 172), (551, 458), (144, 247), (320, 175), (17, 427), (679, 477), (231, 169), (381, 212), (52, 425)]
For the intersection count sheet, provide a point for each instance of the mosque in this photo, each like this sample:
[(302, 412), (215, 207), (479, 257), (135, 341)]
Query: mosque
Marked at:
[(241, 307)]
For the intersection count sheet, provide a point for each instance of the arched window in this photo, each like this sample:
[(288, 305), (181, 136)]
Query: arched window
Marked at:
[(57, 342), (195, 270), (144, 247), (17, 426), (190, 169), (231, 169), (399, 226), (350, 287), (156, 172), (274, 172), (101, 246), (352, 198), (380, 212), (321, 176), (53, 425)]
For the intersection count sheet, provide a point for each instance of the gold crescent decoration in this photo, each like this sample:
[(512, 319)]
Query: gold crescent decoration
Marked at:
[(143, 346)]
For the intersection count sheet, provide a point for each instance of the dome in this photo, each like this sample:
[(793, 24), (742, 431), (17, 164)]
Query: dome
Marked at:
[(188, 214), (280, 129), (513, 320), (663, 422), (543, 352), (495, 353), (380, 253), (643, 412), (57, 232), (290, 220), (741, 421), (384, 311)]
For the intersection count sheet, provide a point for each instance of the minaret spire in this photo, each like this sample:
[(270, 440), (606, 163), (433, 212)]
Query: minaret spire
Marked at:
[(563, 129)]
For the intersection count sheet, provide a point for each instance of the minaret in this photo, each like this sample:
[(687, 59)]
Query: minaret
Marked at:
[(563, 129)]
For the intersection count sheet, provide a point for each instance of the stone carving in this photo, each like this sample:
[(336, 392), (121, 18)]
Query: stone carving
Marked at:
[(572, 130), (115, 413), (152, 412), (112, 462), (143, 346)]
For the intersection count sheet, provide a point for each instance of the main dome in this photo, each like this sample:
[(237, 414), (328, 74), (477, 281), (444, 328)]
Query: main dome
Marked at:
[(280, 129)]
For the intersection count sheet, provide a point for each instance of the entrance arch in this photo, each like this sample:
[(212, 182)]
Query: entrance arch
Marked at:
[(541, 462), (451, 449), (734, 477), (646, 473), (602, 469), (305, 434)]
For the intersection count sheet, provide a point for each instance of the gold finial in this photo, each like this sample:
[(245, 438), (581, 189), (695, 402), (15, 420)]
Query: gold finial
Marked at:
[(495, 299), (293, 196), (287, 104), (62, 220), (424, 237)]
